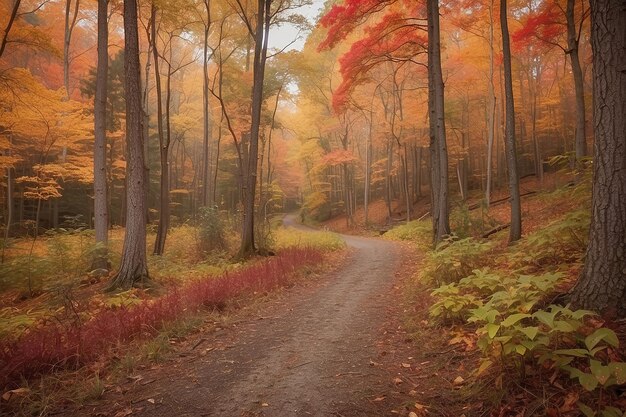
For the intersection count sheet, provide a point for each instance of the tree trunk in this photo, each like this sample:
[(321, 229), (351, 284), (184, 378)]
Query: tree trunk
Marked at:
[(368, 162), (439, 151), (388, 183), (509, 142), (205, 109), (602, 284), (133, 266), (101, 209), (405, 182), (260, 56), (146, 113), (69, 27), (159, 243), (535, 139), (9, 218), (418, 169), (491, 111), (7, 28), (577, 72)]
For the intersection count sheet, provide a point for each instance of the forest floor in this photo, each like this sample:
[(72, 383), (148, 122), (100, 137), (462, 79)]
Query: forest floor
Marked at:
[(337, 348), (355, 341)]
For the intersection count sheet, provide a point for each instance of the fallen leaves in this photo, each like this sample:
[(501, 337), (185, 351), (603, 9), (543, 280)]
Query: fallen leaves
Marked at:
[(18, 392), (123, 413)]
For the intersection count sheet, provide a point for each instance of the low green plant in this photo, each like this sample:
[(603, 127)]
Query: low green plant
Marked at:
[(289, 237), (211, 230), (561, 242), (488, 292), (587, 353), (454, 260), (157, 348), (13, 322), (418, 231), (93, 389), (509, 338), (123, 299), (468, 223), (127, 363)]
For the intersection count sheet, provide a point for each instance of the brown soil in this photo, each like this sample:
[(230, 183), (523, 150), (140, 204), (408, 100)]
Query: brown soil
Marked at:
[(334, 349)]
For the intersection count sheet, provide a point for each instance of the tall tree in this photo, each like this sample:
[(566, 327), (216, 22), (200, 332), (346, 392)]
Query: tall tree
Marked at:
[(573, 38), (70, 23), (101, 212), (206, 116), (491, 107), (436, 114), (261, 36), (133, 266), (159, 244), (509, 139), (602, 284)]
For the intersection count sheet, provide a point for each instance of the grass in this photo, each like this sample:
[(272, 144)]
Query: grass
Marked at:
[(416, 231), (320, 240)]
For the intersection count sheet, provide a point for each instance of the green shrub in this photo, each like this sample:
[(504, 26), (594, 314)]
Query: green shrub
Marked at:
[(511, 333), (418, 231), (467, 223), (489, 293), (454, 260), (211, 230), (561, 242), (289, 237)]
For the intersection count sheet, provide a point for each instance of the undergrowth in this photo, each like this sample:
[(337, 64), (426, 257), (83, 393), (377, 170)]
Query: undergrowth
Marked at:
[(74, 343), (503, 296)]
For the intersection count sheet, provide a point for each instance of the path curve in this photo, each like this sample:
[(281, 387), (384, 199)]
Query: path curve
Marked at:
[(316, 357)]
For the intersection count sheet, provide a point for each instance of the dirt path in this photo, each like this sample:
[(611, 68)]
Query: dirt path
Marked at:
[(318, 354)]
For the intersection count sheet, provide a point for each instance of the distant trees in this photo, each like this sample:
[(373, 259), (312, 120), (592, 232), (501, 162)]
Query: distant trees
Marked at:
[(602, 284)]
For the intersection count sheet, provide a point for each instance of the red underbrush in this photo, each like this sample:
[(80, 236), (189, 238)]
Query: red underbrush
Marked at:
[(75, 343)]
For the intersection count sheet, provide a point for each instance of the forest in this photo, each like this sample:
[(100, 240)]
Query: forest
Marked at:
[(244, 191)]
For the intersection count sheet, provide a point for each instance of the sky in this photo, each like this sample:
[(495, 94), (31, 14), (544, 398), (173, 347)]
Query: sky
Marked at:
[(282, 36)]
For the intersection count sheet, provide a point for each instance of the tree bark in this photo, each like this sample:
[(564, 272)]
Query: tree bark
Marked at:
[(438, 146), (579, 89), (159, 243), (133, 266), (491, 111), (248, 247), (388, 183), (602, 284), (206, 135), (9, 217), (69, 28), (101, 209), (368, 176), (509, 142)]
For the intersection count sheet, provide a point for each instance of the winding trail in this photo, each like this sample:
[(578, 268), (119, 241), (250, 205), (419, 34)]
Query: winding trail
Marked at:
[(317, 355)]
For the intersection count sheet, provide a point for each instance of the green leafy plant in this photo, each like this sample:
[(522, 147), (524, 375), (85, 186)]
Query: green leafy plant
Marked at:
[(489, 290), (211, 230), (561, 242), (418, 231), (454, 260)]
